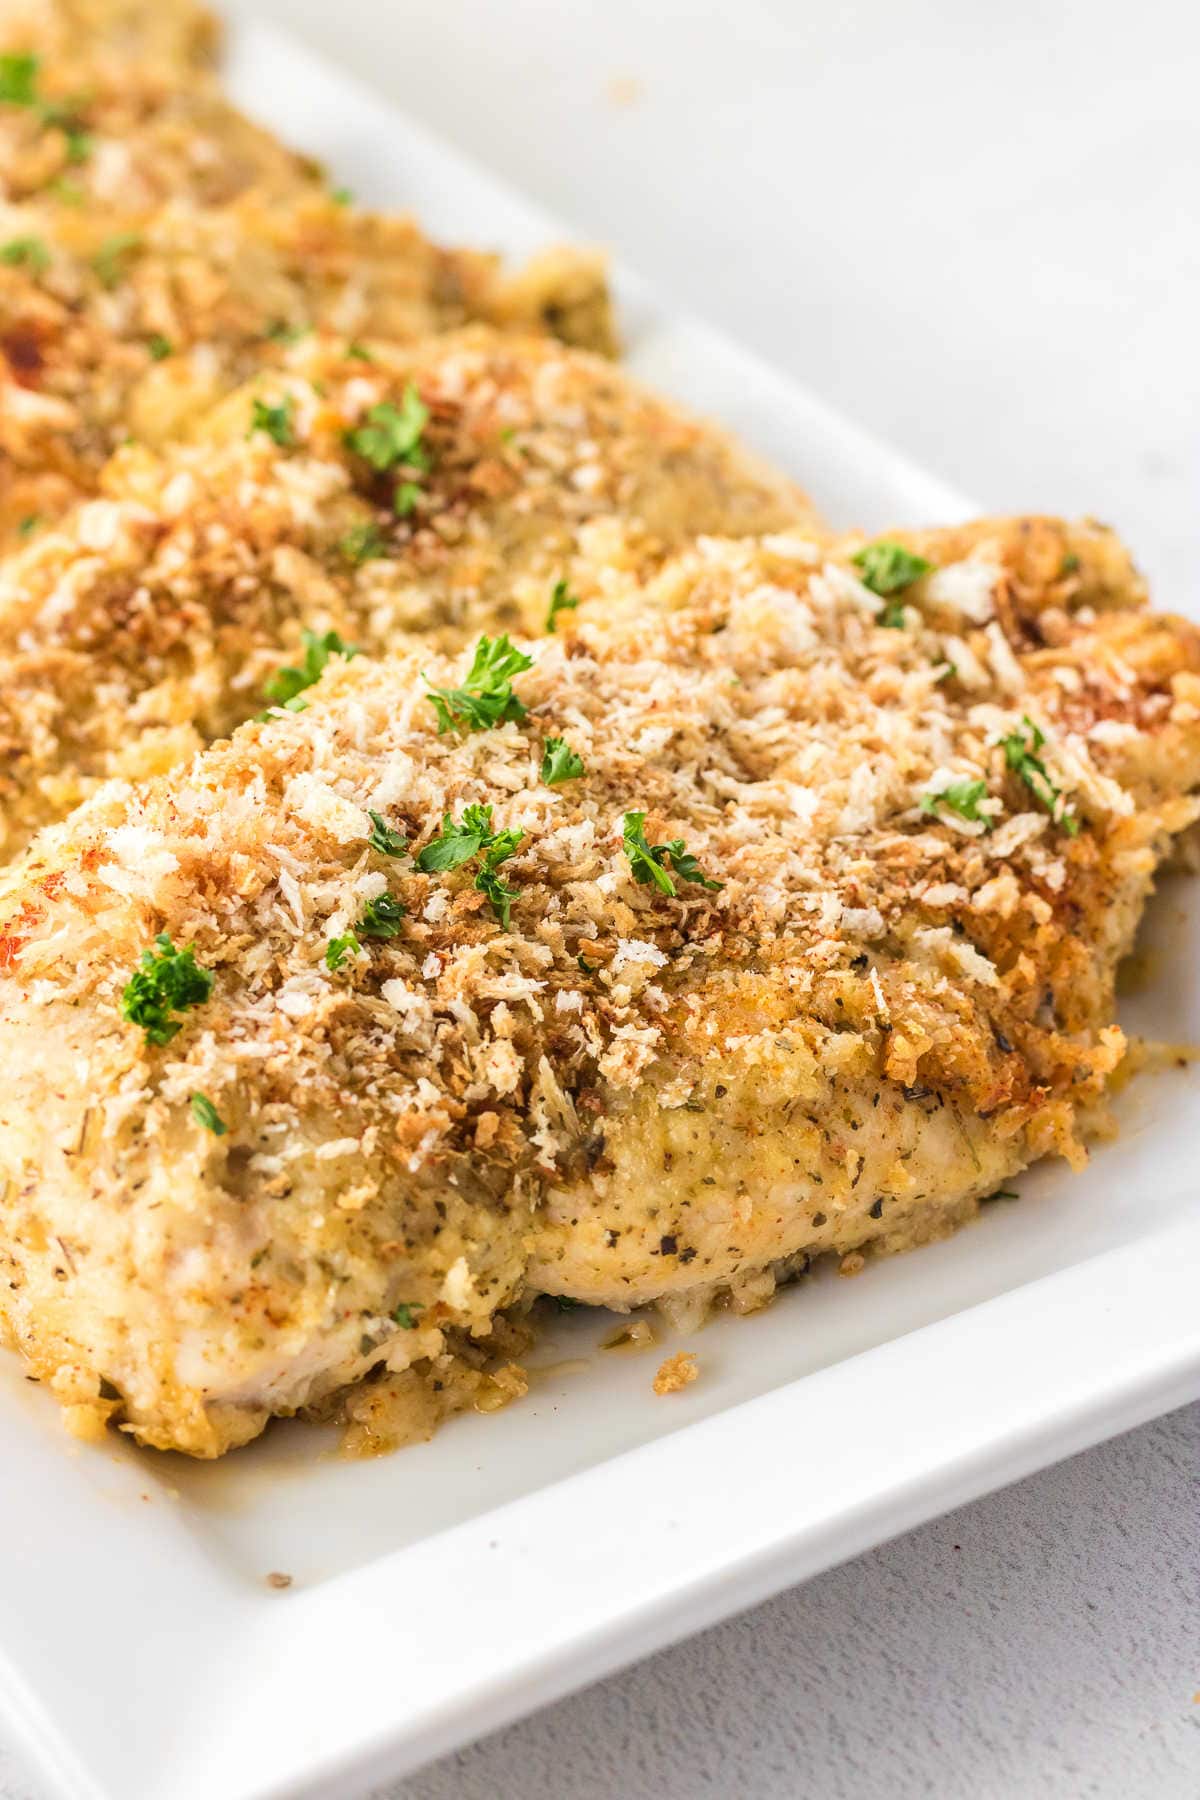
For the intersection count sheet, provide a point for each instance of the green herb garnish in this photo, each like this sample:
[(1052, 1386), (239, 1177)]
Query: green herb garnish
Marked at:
[(1021, 755), (339, 948), (383, 838), (648, 860), (276, 421), (391, 435), (363, 543), (280, 332), (382, 917), (160, 347), (283, 688), (25, 252), (561, 600), (29, 524), (405, 498), (891, 615), (470, 838), (359, 352), (18, 78), (111, 258), (206, 1114), (167, 980), (403, 1314), (342, 196), (962, 797), (486, 697), (559, 762), (888, 568)]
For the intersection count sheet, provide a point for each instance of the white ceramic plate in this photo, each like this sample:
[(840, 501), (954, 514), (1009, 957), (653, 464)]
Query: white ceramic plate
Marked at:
[(440, 1592)]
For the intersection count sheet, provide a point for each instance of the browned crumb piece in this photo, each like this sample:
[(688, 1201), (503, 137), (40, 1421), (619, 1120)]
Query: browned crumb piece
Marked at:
[(676, 1373), (277, 1579)]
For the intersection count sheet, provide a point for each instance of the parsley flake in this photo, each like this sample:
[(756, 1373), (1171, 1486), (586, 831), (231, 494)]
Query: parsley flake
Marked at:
[(18, 78), (648, 860), (363, 543), (160, 347), (283, 688), (891, 615), (962, 797), (888, 568), (383, 838), (382, 917), (25, 253), (391, 436), (403, 1314), (111, 259), (359, 353), (166, 980), (342, 196), (29, 524), (561, 600), (206, 1114), (276, 421), (404, 500), (486, 697), (559, 762), (339, 948), (472, 837), (1021, 756)]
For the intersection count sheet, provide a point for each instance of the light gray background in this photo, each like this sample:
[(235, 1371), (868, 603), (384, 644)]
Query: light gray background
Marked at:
[(977, 229)]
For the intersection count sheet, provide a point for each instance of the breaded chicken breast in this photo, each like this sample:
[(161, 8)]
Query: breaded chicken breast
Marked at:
[(443, 489), (118, 326), (768, 908)]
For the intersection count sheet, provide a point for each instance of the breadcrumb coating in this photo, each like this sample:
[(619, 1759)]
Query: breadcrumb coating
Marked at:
[(851, 1012), (153, 620)]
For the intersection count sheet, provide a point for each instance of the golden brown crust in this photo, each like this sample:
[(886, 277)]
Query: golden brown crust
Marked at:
[(883, 1011)]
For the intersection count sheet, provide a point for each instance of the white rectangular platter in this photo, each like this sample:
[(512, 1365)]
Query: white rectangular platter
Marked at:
[(442, 1591)]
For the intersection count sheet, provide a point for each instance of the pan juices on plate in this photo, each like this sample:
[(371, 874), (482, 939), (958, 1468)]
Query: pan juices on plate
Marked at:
[(770, 907)]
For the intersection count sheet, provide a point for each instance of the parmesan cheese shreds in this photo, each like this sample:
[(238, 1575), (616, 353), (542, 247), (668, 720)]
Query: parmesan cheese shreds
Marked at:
[(830, 1027)]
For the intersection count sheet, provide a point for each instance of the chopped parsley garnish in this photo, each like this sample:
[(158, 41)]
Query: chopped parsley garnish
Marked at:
[(470, 838), (391, 436), (25, 252), (29, 524), (561, 600), (360, 353), (283, 688), (891, 614), (587, 968), (962, 797), (79, 144), (276, 421), (206, 1114), (559, 762), (648, 860), (1021, 755), (486, 697), (18, 78), (383, 838), (382, 917), (280, 332), (363, 543), (888, 568), (342, 196), (403, 1314), (160, 347), (339, 948), (405, 498), (110, 259), (1070, 564), (1002, 1194), (167, 980)]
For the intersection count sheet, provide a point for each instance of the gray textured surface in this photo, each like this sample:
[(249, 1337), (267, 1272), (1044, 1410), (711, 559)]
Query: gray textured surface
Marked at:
[(973, 228), (1040, 1643)]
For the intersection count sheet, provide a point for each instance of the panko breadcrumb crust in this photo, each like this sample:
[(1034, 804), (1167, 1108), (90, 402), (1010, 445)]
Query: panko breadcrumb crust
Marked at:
[(884, 1010), (156, 248), (151, 620)]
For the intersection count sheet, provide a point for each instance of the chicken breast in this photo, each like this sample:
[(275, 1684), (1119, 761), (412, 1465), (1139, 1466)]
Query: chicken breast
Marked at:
[(161, 617), (118, 326), (774, 909)]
